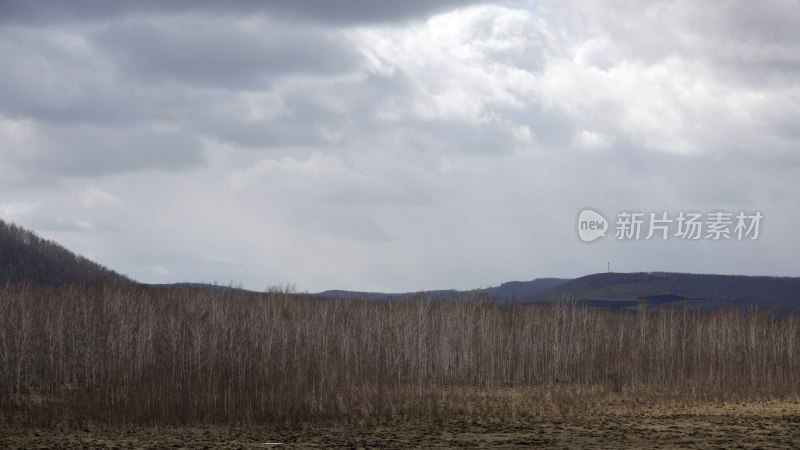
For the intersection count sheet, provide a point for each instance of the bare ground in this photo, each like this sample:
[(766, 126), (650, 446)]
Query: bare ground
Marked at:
[(771, 424)]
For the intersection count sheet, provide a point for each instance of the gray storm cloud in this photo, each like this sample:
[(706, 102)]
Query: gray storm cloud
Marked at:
[(396, 146)]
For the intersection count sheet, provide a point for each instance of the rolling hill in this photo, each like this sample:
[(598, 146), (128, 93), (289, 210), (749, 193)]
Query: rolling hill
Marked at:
[(625, 290), (26, 256), (521, 291), (506, 292), (628, 290)]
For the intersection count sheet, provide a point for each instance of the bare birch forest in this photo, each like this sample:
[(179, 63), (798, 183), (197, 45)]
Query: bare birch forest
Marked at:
[(126, 354)]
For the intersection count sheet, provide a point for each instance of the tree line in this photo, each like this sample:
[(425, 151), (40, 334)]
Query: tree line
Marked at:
[(129, 354)]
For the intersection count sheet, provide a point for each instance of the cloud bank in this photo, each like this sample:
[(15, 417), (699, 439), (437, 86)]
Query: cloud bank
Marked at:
[(403, 146)]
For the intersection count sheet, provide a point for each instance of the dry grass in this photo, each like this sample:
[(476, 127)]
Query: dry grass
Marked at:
[(613, 424)]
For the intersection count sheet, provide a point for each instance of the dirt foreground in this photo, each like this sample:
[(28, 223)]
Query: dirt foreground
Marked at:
[(773, 424)]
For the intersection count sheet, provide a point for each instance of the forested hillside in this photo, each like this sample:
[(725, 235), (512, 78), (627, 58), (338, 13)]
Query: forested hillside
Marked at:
[(26, 256)]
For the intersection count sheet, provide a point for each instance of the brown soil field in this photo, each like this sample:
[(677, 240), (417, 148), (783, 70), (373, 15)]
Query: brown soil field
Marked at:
[(768, 424)]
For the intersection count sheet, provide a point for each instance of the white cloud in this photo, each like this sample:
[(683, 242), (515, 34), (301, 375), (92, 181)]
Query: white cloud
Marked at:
[(93, 197), (591, 140), (155, 269), (16, 210), (469, 65), (14, 132)]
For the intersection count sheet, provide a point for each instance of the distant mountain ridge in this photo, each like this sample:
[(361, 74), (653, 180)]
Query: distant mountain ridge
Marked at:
[(520, 291), (628, 290), (365, 295), (668, 288), (26, 256)]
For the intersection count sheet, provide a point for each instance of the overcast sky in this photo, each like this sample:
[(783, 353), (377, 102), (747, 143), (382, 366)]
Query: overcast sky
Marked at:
[(398, 146)]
